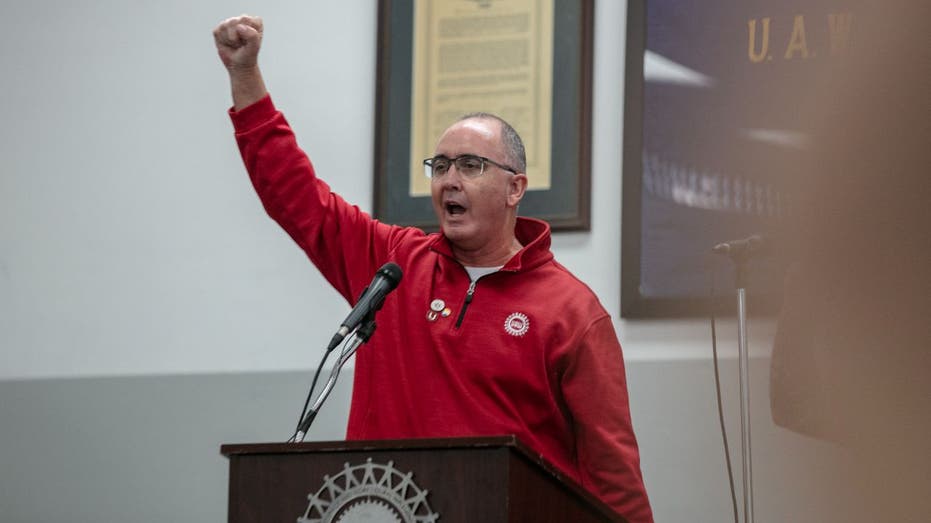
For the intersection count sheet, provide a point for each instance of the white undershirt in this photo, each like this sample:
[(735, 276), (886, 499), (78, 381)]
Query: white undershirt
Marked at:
[(477, 272)]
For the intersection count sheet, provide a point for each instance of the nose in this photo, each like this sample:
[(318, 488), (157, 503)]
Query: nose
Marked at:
[(451, 181)]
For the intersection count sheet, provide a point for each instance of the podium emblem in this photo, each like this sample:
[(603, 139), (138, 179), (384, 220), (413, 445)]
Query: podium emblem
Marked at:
[(370, 492)]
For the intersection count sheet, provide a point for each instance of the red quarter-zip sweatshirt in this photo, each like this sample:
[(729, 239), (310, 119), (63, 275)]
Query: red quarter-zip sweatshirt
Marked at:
[(527, 350)]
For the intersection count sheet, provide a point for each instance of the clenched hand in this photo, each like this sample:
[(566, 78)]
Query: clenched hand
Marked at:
[(238, 41)]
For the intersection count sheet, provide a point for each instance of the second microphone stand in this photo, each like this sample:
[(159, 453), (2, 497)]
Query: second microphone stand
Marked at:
[(740, 259)]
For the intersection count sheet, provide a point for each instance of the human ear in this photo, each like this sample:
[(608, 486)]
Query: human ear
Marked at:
[(517, 186)]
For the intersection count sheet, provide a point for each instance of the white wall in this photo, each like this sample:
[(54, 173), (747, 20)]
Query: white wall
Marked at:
[(131, 243)]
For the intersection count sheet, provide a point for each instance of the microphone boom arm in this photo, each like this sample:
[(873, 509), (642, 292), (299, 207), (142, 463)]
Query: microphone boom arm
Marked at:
[(360, 336)]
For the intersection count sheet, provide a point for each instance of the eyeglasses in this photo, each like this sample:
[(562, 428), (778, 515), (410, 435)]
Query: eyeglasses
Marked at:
[(468, 165)]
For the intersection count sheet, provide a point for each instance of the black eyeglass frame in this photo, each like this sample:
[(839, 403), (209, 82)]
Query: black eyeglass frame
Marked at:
[(428, 163)]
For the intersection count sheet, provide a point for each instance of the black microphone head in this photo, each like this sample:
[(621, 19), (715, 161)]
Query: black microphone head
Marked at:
[(392, 273)]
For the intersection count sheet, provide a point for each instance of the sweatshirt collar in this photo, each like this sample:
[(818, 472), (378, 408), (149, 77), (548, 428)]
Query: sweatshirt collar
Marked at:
[(533, 234)]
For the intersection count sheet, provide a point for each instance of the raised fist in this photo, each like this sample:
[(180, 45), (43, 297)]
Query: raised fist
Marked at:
[(238, 41)]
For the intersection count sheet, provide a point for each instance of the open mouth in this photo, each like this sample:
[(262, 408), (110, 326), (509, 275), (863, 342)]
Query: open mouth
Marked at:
[(454, 209)]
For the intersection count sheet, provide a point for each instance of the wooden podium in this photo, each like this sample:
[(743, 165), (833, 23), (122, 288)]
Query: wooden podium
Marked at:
[(469, 480)]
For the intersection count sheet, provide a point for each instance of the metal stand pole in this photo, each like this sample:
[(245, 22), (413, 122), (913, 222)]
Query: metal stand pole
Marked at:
[(743, 356), (740, 252)]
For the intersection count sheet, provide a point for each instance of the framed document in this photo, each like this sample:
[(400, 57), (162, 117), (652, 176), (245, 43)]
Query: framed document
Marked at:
[(715, 125), (527, 61)]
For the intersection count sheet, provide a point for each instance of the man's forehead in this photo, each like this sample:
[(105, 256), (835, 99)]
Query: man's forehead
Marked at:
[(471, 132), (479, 124)]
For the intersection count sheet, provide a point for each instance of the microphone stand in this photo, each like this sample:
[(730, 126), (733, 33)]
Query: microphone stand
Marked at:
[(740, 259), (360, 336)]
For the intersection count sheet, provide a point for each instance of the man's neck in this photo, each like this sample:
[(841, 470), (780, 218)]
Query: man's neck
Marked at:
[(484, 257)]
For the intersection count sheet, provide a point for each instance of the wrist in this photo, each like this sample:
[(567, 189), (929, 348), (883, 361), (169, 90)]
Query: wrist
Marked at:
[(247, 86), (243, 72)]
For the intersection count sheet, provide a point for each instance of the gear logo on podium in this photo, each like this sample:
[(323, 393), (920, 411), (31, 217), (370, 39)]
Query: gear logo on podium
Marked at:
[(370, 492)]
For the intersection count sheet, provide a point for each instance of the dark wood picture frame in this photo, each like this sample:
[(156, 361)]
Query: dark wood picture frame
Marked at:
[(566, 204)]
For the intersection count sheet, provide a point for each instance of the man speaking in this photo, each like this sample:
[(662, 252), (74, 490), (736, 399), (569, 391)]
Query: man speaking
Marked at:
[(488, 334)]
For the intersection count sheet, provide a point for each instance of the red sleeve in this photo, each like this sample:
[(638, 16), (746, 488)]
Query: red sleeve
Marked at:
[(595, 389), (346, 244)]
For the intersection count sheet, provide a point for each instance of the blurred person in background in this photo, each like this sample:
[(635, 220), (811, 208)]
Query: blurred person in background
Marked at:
[(851, 362)]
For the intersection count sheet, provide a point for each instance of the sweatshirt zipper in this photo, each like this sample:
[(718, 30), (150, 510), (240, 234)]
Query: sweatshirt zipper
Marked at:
[(468, 300)]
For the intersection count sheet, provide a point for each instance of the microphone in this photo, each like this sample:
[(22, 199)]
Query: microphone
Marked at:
[(755, 244), (386, 279)]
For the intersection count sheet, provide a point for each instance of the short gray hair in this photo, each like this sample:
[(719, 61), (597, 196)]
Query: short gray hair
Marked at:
[(513, 145)]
